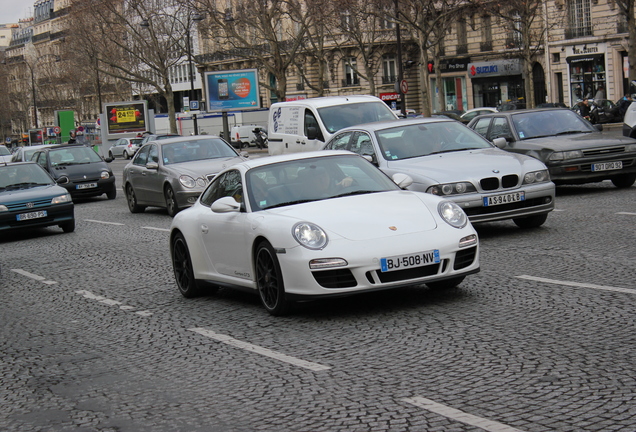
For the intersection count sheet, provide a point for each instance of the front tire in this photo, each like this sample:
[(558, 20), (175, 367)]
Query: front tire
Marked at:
[(171, 202), (269, 280), (182, 266), (68, 227), (446, 284), (624, 180), (112, 194), (131, 198), (531, 221)]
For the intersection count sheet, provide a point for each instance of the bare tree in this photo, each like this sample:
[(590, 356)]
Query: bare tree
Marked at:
[(139, 42), (267, 34)]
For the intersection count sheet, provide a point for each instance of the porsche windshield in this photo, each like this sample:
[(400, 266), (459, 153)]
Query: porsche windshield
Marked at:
[(423, 139), (539, 124), (313, 179)]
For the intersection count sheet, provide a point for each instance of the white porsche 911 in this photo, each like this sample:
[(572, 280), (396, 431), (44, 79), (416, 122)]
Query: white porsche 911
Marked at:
[(318, 224)]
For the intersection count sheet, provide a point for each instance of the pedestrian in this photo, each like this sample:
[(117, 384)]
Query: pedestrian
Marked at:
[(584, 109), (623, 104), (600, 93), (72, 137)]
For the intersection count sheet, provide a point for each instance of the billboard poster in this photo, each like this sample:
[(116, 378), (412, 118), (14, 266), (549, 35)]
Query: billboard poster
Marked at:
[(232, 90), (126, 117)]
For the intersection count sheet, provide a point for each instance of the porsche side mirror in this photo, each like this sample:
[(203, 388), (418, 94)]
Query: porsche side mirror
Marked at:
[(402, 180), (225, 205)]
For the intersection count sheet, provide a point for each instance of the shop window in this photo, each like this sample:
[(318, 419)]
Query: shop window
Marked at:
[(587, 76)]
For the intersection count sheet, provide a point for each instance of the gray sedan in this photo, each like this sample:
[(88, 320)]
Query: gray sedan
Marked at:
[(446, 158), (575, 151), (172, 173)]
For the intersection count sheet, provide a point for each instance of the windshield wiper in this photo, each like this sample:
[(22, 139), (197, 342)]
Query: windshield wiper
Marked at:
[(358, 192), (283, 204), (452, 150), (570, 132)]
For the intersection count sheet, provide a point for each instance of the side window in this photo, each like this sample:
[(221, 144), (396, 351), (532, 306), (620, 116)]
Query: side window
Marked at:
[(41, 159), (340, 141), (310, 121), (227, 184), (142, 156), (362, 144), (500, 128), (481, 127), (153, 154)]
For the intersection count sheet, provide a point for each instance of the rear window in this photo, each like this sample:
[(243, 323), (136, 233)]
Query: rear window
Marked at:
[(341, 116)]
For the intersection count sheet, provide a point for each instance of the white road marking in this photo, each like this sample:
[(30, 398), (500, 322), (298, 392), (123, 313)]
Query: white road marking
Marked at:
[(109, 302), (626, 213), (558, 210), (259, 350), (461, 416), (156, 229), (34, 276), (104, 222), (578, 284)]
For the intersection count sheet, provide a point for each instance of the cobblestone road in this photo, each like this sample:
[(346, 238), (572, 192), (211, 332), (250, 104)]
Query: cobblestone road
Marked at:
[(96, 337)]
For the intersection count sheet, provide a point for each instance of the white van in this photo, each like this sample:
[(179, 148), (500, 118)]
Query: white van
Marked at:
[(305, 125), (242, 136)]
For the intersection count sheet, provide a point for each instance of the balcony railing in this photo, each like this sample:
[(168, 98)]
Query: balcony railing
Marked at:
[(621, 27), (485, 46), (462, 48), (389, 79), (351, 82), (513, 42), (579, 31), (300, 86)]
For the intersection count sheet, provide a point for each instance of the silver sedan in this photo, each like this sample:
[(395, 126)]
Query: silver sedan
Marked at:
[(172, 173), (447, 159)]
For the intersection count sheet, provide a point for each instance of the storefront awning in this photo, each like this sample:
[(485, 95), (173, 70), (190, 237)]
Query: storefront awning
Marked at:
[(584, 58)]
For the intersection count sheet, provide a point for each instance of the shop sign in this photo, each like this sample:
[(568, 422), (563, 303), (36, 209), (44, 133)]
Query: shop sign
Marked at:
[(495, 68), (389, 96)]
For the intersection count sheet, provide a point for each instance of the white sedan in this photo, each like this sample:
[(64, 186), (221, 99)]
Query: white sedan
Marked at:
[(318, 224)]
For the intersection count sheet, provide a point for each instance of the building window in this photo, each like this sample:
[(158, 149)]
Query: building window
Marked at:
[(514, 38), (580, 19), (462, 37), (388, 69), (486, 33), (351, 76)]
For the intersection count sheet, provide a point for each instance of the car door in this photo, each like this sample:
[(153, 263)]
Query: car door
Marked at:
[(224, 235), (135, 177), (153, 176), (116, 150)]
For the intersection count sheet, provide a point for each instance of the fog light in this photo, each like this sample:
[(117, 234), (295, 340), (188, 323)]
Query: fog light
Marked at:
[(322, 263)]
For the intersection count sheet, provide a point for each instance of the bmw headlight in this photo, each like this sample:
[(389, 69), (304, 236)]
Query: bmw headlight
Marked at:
[(187, 181), (452, 189), (559, 156), (452, 214), (536, 177), (309, 235), (105, 175), (61, 199)]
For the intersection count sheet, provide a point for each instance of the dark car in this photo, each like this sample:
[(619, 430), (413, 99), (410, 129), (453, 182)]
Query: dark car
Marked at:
[(574, 151), (30, 198), (87, 173)]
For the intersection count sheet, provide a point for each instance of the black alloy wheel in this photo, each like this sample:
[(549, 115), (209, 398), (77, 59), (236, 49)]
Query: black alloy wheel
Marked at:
[(269, 280), (182, 266)]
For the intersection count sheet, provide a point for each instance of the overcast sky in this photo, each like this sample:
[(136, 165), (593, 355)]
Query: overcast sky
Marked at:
[(12, 10)]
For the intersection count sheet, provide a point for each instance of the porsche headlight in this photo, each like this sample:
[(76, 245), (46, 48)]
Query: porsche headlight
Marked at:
[(536, 177), (559, 156), (105, 175), (187, 181), (452, 214), (451, 189), (309, 235), (61, 199)]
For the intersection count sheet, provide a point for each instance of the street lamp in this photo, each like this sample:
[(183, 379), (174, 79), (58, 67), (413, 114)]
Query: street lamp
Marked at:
[(195, 17), (35, 106)]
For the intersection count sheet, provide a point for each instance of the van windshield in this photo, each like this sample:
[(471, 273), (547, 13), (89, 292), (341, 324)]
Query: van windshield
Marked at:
[(341, 116)]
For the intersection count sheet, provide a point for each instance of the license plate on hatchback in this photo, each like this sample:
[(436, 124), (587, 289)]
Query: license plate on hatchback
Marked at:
[(31, 215), (403, 262), (86, 186), (607, 166), (504, 199)]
